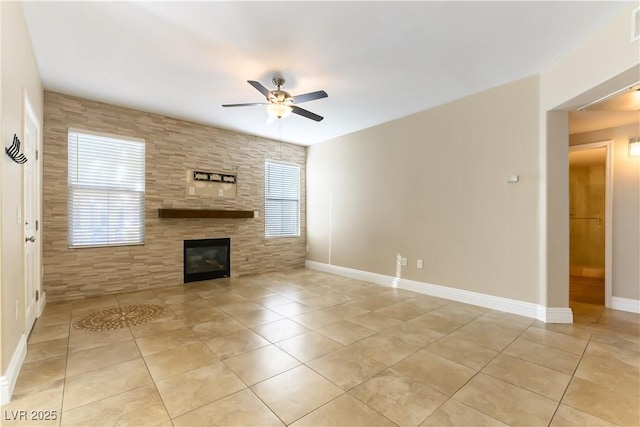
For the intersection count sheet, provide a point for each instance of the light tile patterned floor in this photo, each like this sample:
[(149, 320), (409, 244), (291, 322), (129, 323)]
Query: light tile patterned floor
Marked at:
[(310, 349)]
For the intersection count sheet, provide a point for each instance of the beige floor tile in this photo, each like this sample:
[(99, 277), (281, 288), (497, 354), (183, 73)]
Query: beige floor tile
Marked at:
[(603, 402), (454, 413), (52, 318), (327, 300), (212, 314), (543, 355), (566, 416), (316, 319), (536, 378), (37, 376), (240, 307), (101, 357), (441, 374), (280, 330), (162, 324), (441, 323), (462, 352), (610, 368), (488, 334), (46, 349), (502, 317), (224, 299), (167, 340), (199, 387), (253, 292), (92, 386), (301, 295), (506, 402), (375, 321), (97, 303), (292, 309), (604, 341), (345, 332), (570, 344), (409, 309), (374, 303), (178, 360), (138, 407), (85, 340), (345, 411), (272, 300), (399, 398), (242, 409), (296, 392), (48, 333), (309, 346), (257, 317), (460, 310), (237, 343), (218, 328), (58, 307), (347, 368), (260, 364), (412, 334), (384, 349), (188, 305), (346, 310), (47, 398)]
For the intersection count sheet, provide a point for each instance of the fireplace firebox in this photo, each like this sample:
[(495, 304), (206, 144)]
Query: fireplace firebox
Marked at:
[(206, 259)]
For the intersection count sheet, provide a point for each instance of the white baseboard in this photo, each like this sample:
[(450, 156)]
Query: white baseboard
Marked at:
[(42, 302), (625, 304), (8, 380), (522, 308)]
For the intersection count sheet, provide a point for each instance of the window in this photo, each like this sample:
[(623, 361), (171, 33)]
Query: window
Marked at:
[(282, 199), (106, 190)]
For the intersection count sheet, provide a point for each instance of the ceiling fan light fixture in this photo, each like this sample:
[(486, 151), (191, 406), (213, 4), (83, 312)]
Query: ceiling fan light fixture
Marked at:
[(279, 110)]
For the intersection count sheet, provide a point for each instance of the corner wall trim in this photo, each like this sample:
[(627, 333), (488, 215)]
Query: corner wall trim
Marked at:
[(522, 308), (8, 380), (625, 304)]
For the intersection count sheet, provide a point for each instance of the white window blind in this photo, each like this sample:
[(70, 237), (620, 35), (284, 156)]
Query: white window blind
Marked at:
[(282, 199), (106, 190)]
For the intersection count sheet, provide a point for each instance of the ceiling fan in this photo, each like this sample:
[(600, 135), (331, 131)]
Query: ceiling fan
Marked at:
[(280, 103)]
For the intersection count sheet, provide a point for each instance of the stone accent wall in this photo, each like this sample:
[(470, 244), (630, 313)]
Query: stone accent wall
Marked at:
[(172, 147)]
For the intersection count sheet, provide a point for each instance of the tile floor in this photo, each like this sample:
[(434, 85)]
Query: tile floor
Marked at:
[(305, 348)]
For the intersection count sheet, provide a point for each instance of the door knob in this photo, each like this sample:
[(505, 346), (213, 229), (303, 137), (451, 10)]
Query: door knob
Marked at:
[(30, 239)]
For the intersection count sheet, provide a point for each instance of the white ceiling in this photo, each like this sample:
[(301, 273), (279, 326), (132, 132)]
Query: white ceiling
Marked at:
[(378, 61)]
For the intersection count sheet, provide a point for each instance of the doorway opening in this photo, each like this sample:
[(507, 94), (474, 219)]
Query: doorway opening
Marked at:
[(590, 223)]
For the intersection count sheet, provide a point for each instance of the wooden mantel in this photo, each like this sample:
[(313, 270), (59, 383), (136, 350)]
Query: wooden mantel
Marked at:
[(203, 213)]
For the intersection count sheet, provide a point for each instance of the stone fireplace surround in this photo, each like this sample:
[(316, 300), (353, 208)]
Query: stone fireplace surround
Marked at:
[(172, 147)]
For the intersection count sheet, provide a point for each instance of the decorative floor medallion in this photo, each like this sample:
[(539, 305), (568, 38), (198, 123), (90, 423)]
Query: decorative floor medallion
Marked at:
[(119, 317)]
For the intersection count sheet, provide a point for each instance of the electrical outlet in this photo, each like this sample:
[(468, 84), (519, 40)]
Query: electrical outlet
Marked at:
[(419, 263)]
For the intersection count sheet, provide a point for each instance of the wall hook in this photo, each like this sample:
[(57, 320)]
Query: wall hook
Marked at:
[(14, 151)]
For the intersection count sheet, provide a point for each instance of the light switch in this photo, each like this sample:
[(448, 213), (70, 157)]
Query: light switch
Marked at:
[(220, 192)]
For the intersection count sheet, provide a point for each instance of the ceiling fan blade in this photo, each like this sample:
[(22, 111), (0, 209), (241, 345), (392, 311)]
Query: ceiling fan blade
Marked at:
[(298, 99), (245, 105), (306, 113), (263, 90)]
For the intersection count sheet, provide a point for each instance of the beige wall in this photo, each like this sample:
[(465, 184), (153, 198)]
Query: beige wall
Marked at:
[(432, 186), (19, 76), (172, 147), (587, 233), (625, 209)]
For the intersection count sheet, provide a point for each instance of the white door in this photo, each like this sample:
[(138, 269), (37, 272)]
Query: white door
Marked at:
[(31, 216)]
